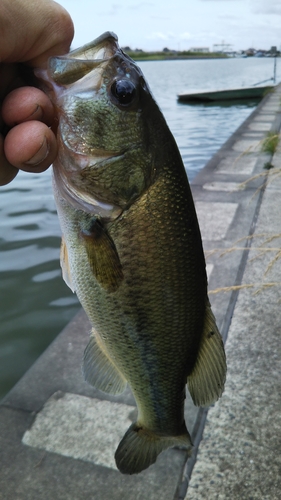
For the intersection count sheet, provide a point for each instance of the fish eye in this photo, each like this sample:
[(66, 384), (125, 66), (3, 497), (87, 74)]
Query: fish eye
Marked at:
[(124, 91)]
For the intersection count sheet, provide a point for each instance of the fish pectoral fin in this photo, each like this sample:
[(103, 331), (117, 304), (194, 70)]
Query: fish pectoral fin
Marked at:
[(100, 371), (140, 448), (64, 262), (206, 381), (102, 256)]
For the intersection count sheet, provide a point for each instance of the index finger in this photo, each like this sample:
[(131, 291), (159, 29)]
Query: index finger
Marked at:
[(25, 104), (44, 28)]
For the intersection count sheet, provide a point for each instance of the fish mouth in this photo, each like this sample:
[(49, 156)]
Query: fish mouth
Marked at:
[(81, 74), (102, 47), (70, 68)]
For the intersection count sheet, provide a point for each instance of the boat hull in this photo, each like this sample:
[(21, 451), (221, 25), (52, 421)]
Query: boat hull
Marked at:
[(226, 95)]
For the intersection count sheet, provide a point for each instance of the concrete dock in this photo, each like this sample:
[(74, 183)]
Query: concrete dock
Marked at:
[(58, 435)]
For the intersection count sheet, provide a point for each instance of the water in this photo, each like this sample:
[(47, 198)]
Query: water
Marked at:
[(201, 129), (35, 303)]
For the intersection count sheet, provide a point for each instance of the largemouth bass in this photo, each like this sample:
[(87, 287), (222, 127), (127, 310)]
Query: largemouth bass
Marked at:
[(132, 247)]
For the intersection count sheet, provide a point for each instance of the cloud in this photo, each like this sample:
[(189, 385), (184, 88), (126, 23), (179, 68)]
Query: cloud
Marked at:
[(159, 18), (112, 11), (229, 17), (117, 8), (186, 36), (158, 35), (138, 6), (268, 8)]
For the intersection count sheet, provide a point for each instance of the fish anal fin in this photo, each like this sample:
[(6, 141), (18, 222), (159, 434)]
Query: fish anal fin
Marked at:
[(64, 262), (206, 381), (140, 448), (102, 256), (99, 370)]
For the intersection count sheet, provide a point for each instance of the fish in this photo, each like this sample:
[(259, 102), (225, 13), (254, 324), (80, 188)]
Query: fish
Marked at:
[(132, 248)]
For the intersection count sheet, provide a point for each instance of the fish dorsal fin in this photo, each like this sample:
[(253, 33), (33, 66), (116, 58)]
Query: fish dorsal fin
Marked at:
[(64, 262), (206, 381), (99, 370), (102, 256)]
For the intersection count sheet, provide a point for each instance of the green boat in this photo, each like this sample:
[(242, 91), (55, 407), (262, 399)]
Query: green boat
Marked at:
[(226, 95)]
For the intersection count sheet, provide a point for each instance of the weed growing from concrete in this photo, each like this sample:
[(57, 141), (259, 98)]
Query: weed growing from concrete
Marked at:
[(262, 244), (261, 249), (270, 143)]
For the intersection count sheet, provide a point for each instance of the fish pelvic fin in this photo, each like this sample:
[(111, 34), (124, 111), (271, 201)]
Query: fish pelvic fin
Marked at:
[(140, 448), (99, 370), (206, 381)]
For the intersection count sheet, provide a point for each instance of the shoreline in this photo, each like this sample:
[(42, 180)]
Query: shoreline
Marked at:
[(173, 58)]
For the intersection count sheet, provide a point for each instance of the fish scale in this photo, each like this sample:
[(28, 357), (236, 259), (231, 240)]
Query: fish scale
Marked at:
[(132, 248)]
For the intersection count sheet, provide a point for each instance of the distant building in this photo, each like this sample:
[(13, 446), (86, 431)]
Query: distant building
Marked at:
[(250, 52), (199, 49)]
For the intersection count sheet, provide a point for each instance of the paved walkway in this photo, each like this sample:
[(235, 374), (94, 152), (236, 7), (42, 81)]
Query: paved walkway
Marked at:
[(58, 435), (240, 454)]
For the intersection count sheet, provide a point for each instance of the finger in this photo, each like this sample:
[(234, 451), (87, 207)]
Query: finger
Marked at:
[(43, 28), (9, 78), (31, 146), (25, 104), (7, 171)]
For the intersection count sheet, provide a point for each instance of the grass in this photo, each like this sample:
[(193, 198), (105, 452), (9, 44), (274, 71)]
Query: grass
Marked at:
[(261, 250), (270, 143)]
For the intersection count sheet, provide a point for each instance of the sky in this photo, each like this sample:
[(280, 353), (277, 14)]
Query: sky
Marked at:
[(179, 24)]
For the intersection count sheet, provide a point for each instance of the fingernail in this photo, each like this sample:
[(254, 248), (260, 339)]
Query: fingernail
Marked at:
[(41, 154), (37, 114)]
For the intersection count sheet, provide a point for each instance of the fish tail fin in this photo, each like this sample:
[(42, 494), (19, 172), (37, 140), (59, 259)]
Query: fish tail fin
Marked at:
[(140, 448), (206, 381)]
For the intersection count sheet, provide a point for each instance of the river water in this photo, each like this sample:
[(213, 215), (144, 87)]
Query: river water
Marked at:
[(35, 304)]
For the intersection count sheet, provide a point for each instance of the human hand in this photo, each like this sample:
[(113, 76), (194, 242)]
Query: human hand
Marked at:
[(31, 32)]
